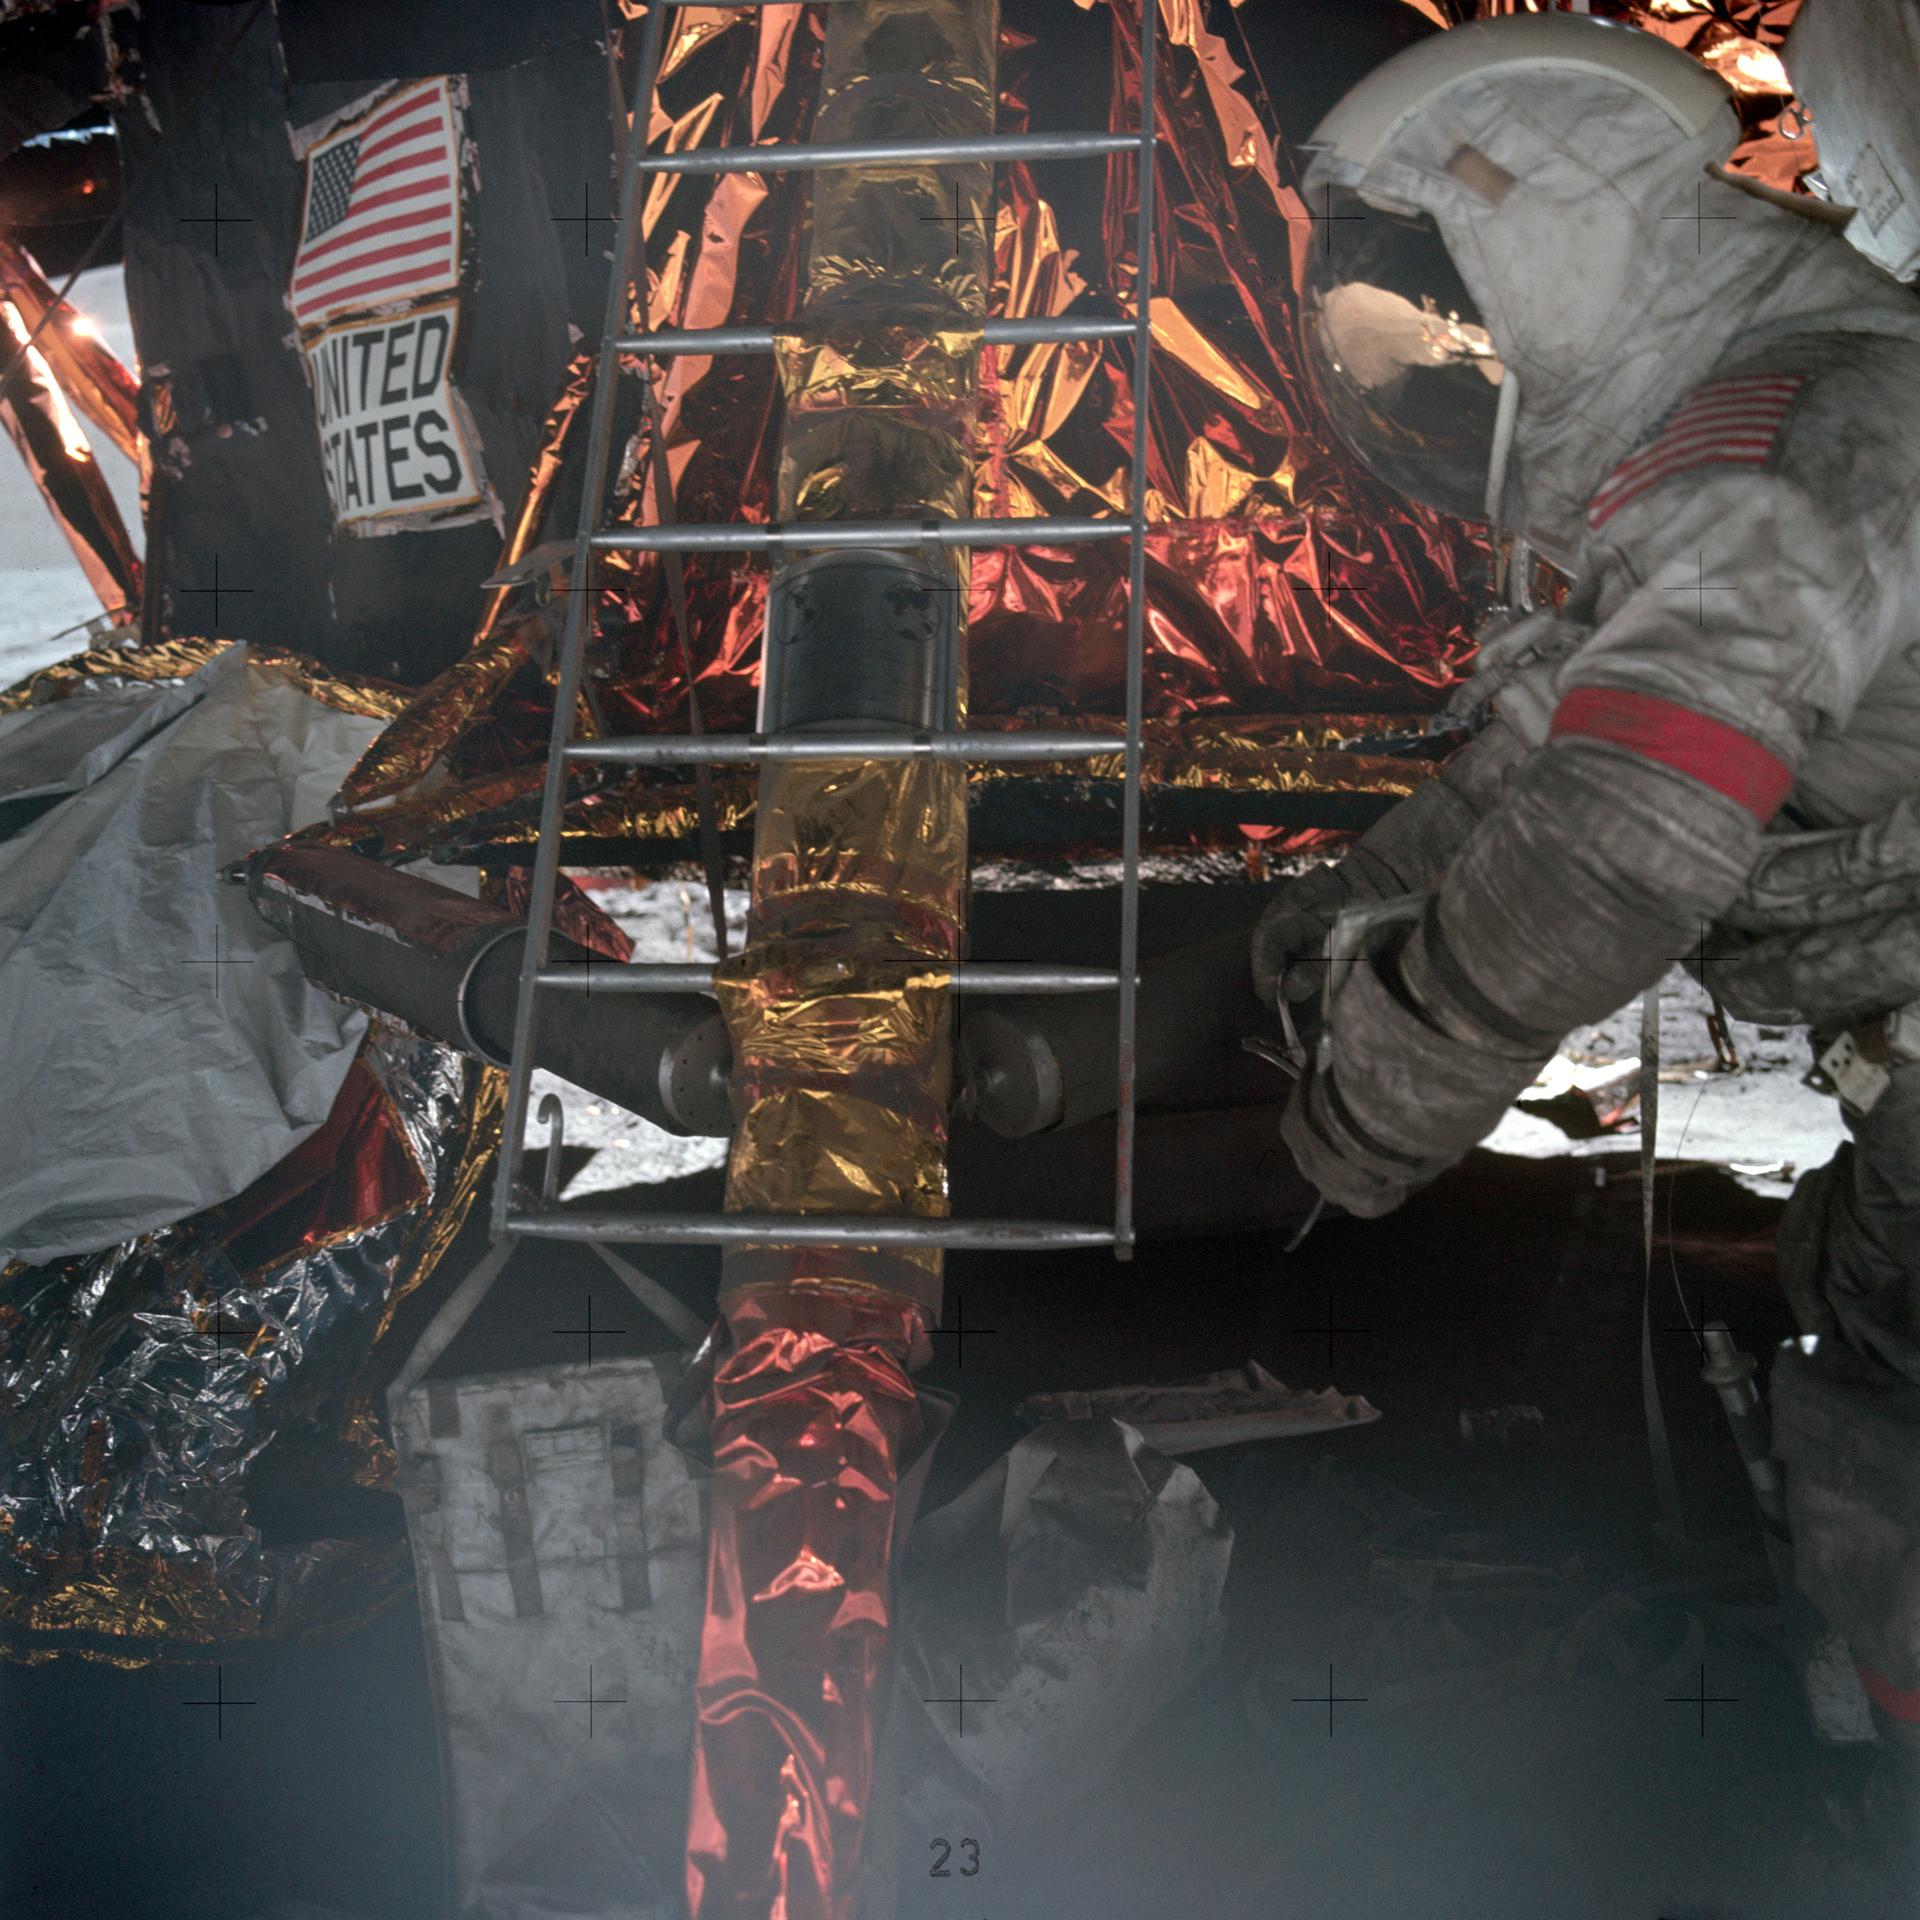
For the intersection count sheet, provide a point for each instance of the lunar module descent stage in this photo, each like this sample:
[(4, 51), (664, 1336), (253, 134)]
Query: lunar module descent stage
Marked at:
[(917, 555)]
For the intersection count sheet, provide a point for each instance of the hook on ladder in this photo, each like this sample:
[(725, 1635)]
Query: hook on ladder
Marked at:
[(552, 1115)]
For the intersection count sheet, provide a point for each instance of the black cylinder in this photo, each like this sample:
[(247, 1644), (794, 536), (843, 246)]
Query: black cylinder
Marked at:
[(860, 639), (1042, 1061), (448, 967)]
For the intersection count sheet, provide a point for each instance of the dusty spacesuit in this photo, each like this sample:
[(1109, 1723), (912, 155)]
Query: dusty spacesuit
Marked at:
[(1537, 301)]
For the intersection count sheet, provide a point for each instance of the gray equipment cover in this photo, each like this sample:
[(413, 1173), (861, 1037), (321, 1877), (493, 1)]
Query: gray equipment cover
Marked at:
[(163, 1047), (560, 1548)]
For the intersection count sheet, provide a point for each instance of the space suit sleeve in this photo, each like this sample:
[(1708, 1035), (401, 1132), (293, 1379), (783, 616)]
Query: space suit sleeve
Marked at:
[(1405, 851), (1675, 739)]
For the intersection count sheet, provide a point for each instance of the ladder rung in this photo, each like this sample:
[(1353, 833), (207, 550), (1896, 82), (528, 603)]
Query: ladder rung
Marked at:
[(810, 1230), (744, 536), (786, 156), (707, 749), (968, 976), (1041, 330)]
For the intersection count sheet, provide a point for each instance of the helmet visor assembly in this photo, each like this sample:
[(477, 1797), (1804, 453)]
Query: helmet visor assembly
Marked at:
[(1405, 368), (1398, 348)]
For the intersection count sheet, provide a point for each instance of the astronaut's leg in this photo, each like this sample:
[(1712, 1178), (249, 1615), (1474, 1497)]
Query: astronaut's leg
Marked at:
[(1846, 1410)]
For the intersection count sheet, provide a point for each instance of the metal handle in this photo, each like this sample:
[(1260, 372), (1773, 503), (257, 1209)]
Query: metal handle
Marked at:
[(554, 1116)]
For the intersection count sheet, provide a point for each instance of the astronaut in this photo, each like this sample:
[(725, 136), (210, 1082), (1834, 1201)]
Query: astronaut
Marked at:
[(1537, 299)]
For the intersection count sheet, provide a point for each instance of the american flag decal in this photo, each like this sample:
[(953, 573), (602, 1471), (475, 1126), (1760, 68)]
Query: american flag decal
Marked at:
[(382, 219), (1727, 423)]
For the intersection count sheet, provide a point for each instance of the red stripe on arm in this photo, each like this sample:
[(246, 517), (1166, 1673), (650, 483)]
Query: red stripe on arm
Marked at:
[(1707, 750), (1897, 1703)]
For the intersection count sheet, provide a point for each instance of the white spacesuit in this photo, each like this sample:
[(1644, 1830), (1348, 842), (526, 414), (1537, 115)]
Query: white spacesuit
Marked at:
[(1536, 298)]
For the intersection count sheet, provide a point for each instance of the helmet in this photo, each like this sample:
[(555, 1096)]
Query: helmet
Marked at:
[(1417, 373)]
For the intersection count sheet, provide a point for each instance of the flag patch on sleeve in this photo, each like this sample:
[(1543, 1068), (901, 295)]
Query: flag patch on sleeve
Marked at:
[(1727, 423)]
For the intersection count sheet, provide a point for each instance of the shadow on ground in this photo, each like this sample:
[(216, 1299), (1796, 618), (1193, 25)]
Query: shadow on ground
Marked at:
[(1509, 1645)]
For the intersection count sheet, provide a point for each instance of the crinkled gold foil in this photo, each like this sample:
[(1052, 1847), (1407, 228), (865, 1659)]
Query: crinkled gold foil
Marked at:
[(1254, 754), (435, 717), (867, 864), (490, 807), (176, 658), (830, 1004), (555, 434), (839, 1152), (168, 660), (841, 1027), (891, 835)]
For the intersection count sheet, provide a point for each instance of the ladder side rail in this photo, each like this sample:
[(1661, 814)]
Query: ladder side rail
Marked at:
[(572, 663), (1129, 995)]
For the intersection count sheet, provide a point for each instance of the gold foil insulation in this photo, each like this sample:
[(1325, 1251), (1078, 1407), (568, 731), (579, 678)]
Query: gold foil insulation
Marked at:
[(840, 1015), (842, 1069), (1298, 614), (1282, 581), (178, 657), (1201, 753), (840, 1012)]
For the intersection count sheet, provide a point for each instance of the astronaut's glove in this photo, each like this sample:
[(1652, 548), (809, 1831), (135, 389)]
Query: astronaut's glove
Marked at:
[(1404, 1080), (1289, 952)]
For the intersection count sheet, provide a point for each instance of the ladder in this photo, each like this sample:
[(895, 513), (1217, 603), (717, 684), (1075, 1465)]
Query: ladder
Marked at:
[(511, 1215)]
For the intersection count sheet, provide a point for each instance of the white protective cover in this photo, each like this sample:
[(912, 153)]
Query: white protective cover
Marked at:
[(1076, 1586), (1856, 64), (560, 1547), (162, 1047)]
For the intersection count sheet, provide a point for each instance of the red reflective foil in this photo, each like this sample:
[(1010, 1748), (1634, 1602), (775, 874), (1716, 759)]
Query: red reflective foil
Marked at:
[(1283, 579), (355, 1172), (1245, 617), (575, 913), (1740, 40), (812, 1414), (1258, 511), (90, 373), (36, 416)]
